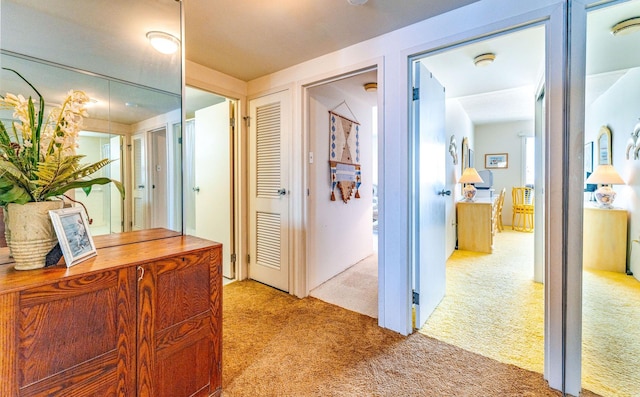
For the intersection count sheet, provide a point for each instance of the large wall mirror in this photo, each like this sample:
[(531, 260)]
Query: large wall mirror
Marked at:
[(135, 114)]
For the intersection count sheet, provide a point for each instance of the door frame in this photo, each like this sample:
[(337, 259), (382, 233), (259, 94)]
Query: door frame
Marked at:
[(563, 187), (302, 261)]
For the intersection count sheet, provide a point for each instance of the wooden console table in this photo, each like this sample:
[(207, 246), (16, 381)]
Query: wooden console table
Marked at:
[(142, 318), (604, 239), (475, 224)]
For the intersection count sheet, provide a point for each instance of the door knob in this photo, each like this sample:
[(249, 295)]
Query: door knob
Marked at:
[(444, 192), (282, 191), (196, 189)]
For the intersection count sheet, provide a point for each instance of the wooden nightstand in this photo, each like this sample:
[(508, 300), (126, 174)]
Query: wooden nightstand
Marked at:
[(604, 244), (475, 224)]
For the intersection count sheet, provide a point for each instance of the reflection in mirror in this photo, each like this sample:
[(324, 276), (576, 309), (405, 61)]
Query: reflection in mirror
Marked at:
[(135, 114), (104, 206)]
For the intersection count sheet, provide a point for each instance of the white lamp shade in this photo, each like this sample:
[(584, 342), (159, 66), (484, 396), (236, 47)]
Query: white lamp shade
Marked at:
[(605, 175), (470, 175)]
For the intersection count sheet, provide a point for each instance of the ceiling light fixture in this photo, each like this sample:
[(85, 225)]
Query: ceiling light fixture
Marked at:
[(163, 42), (626, 27), (371, 87), (356, 2), (484, 59)]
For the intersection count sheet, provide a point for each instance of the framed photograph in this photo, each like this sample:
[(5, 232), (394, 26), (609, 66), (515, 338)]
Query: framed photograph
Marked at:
[(496, 160), (72, 228), (588, 157)]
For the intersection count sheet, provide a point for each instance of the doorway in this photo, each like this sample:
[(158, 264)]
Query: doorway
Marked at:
[(491, 85), (104, 205), (342, 225), (209, 140)]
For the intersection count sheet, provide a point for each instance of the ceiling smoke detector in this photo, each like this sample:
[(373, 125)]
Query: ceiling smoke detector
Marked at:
[(626, 27), (484, 59)]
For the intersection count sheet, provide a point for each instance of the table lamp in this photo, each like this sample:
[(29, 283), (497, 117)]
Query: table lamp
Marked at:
[(604, 176), (469, 177)]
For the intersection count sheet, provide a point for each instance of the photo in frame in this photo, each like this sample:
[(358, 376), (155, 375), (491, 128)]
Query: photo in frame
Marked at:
[(72, 228), (496, 160)]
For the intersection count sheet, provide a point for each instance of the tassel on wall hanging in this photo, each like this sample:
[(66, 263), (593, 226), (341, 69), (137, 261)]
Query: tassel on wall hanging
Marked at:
[(344, 155)]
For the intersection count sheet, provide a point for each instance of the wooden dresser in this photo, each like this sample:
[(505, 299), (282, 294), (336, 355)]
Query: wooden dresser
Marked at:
[(475, 224), (604, 239), (139, 319)]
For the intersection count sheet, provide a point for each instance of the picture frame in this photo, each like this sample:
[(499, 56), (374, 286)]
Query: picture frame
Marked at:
[(588, 157), (496, 160), (604, 146), (72, 228)]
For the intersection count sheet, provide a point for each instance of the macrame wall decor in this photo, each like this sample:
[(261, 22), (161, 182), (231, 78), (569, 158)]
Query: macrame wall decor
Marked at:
[(344, 155)]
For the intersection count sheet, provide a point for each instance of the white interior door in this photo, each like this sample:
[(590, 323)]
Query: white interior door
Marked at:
[(140, 200), (429, 204), (269, 190), (212, 179), (159, 178), (115, 172)]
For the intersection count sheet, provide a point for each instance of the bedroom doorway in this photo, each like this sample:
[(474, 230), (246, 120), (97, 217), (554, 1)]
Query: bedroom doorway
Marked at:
[(342, 241), (491, 89)]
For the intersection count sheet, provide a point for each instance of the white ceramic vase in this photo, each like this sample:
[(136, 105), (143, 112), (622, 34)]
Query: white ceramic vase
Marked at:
[(30, 234)]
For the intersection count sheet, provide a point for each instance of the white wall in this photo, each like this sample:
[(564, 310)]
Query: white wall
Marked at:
[(503, 138), (617, 108), (339, 234), (459, 125)]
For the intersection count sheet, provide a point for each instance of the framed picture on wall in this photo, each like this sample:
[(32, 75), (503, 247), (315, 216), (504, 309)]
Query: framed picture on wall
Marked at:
[(496, 160)]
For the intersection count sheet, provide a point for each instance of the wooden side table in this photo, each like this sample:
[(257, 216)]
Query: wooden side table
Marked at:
[(475, 225), (604, 244)]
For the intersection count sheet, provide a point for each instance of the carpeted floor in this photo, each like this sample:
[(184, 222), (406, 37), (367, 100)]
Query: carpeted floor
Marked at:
[(492, 307), (277, 345), (355, 289)]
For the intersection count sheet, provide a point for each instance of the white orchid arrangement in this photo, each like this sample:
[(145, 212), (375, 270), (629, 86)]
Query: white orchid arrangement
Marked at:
[(38, 157)]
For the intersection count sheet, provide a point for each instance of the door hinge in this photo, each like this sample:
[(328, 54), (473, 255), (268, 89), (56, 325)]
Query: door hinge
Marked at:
[(248, 258), (415, 299), (416, 94), (232, 122), (233, 258), (247, 120)]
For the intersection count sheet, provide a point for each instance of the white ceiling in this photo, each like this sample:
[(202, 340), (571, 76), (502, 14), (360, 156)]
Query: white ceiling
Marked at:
[(252, 38)]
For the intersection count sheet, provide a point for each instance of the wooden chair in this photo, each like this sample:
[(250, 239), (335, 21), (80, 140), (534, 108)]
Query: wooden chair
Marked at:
[(497, 215), (522, 219)]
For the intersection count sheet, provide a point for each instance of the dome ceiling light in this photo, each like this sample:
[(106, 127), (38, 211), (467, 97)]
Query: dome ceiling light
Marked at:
[(356, 2), (626, 27), (371, 87), (484, 59), (163, 42)]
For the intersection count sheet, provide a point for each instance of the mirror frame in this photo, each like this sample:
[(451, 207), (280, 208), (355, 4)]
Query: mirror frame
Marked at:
[(604, 146)]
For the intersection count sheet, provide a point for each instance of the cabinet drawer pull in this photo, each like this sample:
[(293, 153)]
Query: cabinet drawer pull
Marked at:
[(141, 273)]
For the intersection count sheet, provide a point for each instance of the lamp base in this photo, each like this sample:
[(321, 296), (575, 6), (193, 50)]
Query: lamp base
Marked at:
[(469, 192), (605, 196)]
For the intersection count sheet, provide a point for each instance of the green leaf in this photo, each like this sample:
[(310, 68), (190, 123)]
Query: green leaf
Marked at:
[(87, 184), (17, 194)]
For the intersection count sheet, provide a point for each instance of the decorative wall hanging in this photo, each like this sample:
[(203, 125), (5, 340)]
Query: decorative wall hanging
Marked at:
[(344, 155), (453, 149), (633, 145)]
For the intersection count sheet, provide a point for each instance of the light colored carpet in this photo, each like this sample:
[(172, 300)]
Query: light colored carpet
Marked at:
[(492, 307), (277, 345), (355, 289)]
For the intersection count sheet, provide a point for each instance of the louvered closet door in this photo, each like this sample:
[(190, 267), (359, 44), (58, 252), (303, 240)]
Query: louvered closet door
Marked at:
[(269, 190)]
